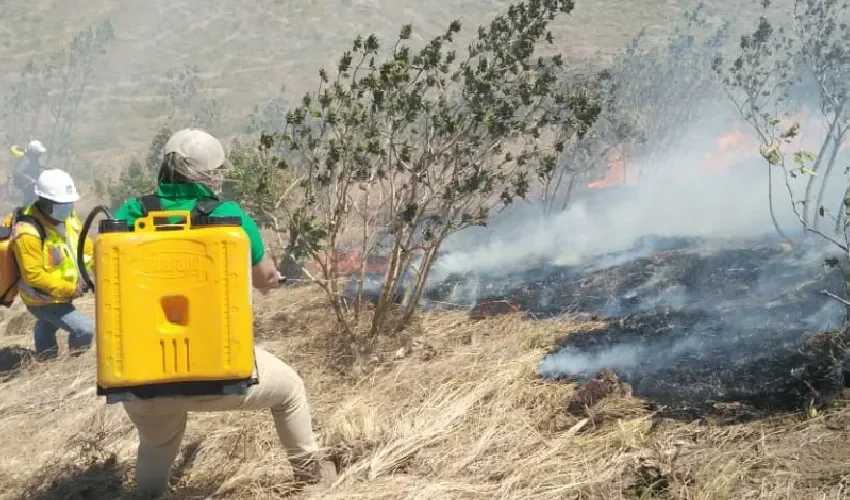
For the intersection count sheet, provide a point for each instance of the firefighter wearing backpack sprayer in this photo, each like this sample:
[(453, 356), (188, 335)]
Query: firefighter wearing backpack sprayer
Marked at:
[(190, 179), (44, 240)]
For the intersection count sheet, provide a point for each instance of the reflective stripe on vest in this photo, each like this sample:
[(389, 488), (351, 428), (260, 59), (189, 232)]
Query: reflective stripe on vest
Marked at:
[(59, 257)]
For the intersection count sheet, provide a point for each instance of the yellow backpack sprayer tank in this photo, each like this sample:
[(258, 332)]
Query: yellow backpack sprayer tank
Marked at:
[(173, 305), (9, 272)]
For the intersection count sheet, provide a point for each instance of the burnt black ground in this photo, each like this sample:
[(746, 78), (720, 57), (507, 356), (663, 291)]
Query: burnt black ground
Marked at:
[(694, 362), (690, 323)]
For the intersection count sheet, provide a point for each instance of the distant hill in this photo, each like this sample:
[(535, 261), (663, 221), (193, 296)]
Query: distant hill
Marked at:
[(245, 51)]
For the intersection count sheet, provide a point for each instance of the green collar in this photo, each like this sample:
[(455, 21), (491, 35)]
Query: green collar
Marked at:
[(184, 191)]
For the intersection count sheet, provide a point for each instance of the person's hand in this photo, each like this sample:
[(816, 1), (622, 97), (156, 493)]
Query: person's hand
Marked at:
[(267, 289), (82, 288)]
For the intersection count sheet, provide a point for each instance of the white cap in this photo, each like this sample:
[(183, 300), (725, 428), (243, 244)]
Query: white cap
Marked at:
[(201, 150), (56, 185), (36, 145)]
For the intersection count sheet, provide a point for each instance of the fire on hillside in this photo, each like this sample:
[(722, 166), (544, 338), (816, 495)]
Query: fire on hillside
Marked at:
[(735, 146), (689, 322)]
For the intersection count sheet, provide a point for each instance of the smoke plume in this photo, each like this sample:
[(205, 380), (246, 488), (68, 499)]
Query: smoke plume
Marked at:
[(680, 196), (685, 264)]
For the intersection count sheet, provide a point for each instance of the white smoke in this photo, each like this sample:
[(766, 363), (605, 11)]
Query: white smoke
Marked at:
[(622, 357), (730, 204)]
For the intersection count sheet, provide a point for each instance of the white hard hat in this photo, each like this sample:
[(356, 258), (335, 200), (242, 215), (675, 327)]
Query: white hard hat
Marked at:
[(56, 185), (36, 145)]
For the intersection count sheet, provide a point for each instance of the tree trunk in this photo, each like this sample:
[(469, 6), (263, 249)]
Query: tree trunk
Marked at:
[(817, 163), (770, 204), (827, 171), (387, 292), (419, 287), (842, 212)]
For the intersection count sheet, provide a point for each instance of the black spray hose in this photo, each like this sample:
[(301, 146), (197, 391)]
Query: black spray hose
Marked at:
[(81, 244)]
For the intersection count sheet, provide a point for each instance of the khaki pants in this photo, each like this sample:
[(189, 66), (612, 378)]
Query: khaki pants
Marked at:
[(162, 421)]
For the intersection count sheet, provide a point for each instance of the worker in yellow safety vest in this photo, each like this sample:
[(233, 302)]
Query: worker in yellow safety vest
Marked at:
[(192, 173), (44, 244)]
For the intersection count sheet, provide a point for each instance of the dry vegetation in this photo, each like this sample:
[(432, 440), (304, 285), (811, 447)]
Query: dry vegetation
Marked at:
[(245, 51), (452, 409), (454, 413)]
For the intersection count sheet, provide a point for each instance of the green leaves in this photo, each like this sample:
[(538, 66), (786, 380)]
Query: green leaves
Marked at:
[(802, 159), (307, 234), (267, 141), (789, 134), (424, 141), (771, 154)]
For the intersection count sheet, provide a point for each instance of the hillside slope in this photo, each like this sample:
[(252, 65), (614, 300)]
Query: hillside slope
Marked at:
[(460, 415), (246, 51)]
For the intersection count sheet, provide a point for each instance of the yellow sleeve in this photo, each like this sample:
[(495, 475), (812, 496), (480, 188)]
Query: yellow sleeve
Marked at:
[(27, 249)]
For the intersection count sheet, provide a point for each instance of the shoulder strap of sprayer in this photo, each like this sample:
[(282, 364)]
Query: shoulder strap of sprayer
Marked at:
[(150, 203), (18, 215), (205, 207)]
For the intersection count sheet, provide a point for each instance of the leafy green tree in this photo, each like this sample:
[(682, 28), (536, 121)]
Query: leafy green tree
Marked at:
[(261, 186), (416, 145)]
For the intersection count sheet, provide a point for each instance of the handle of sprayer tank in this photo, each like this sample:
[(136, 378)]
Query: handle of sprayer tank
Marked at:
[(81, 244)]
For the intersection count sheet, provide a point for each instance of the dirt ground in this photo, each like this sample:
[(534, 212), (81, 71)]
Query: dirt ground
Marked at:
[(453, 412)]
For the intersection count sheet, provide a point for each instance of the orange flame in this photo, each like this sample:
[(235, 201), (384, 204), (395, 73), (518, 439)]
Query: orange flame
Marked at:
[(348, 262), (732, 147), (616, 173), (619, 172)]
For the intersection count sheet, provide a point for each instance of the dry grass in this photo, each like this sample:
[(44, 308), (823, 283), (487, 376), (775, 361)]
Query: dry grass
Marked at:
[(460, 415)]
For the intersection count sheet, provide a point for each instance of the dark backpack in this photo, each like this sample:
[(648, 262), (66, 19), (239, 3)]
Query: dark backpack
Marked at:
[(152, 203)]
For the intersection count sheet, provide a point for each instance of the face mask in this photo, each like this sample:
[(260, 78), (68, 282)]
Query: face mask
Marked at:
[(216, 182), (61, 211)]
